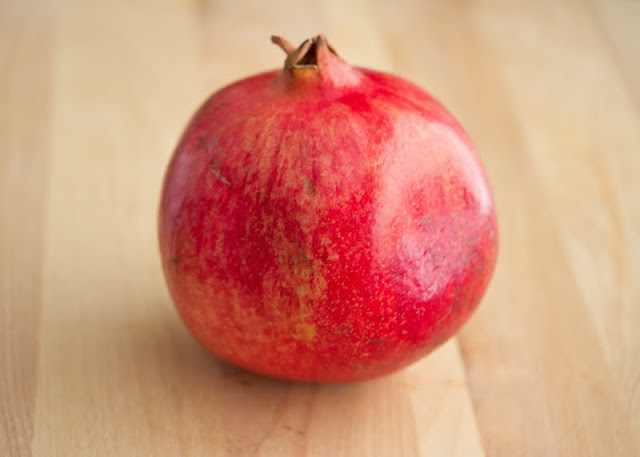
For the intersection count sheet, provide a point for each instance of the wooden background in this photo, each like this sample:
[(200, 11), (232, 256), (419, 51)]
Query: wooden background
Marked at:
[(93, 358)]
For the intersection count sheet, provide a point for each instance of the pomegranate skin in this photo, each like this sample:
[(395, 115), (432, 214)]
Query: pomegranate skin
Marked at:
[(325, 223)]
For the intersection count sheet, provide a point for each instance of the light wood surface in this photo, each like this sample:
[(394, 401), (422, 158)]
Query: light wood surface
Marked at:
[(93, 358)]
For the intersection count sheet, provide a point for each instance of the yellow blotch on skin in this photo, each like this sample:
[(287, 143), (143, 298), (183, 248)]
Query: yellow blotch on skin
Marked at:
[(310, 286), (304, 331)]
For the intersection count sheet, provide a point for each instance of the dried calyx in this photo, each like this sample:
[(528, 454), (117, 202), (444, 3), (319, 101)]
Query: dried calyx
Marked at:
[(305, 55)]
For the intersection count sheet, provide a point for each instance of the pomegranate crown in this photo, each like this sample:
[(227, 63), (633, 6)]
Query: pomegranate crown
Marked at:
[(305, 55)]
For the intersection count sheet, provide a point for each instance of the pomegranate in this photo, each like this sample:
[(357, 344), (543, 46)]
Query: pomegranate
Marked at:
[(324, 222)]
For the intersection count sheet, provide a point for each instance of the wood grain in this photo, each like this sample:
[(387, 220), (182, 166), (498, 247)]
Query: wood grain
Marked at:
[(25, 95), (93, 358), (618, 23)]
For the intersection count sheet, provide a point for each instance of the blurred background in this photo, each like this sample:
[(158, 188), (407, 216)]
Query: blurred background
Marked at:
[(93, 358)]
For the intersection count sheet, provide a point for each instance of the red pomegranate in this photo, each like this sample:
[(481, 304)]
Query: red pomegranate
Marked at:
[(324, 222)]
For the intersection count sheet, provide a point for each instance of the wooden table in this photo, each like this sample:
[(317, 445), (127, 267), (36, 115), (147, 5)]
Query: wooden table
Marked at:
[(93, 358)]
